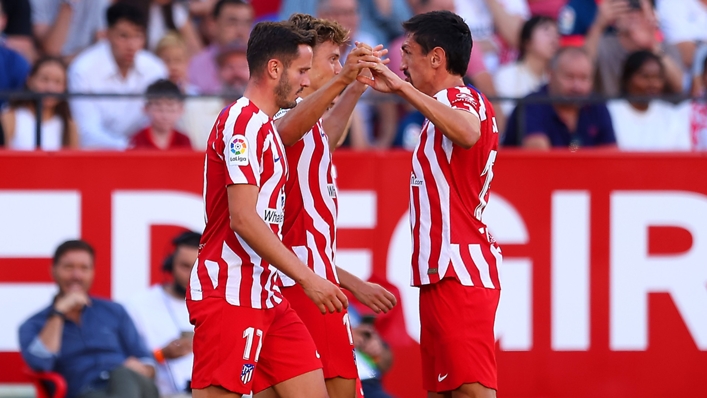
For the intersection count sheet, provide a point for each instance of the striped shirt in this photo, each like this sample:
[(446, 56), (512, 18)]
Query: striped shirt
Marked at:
[(243, 148), (449, 189), (309, 229)]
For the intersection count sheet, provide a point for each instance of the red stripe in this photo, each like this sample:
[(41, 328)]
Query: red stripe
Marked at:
[(469, 263), (493, 266), (25, 270), (240, 127), (430, 187), (264, 276)]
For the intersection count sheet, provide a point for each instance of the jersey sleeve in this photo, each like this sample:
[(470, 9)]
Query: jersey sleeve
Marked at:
[(462, 99), (242, 152)]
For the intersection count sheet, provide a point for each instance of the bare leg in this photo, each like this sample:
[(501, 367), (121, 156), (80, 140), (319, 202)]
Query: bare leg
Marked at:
[(431, 394), (214, 392), (473, 390), (338, 387), (267, 393), (308, 385)]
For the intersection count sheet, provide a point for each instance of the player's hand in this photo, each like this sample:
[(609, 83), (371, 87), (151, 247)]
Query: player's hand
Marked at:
[(357, 60), (375, 297), (177, 348), (73, 300), (383, 79), (325, 294)]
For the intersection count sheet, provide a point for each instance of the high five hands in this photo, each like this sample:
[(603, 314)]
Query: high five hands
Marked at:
[(376, 74)]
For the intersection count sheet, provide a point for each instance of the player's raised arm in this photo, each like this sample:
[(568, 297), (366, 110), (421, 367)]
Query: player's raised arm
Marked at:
[(245, 221), (299, 120)]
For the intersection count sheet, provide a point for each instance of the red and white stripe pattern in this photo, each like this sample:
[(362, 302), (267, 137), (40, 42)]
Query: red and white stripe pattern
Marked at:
[(243, 148), (311, 207), (449, 189)]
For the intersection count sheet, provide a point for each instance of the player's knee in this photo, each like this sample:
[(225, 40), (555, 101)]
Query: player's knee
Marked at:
[(474, 390), (339, 387)]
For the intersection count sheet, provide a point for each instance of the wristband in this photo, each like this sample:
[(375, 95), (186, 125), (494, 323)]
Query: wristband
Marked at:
[(58, 313), (159, 356)]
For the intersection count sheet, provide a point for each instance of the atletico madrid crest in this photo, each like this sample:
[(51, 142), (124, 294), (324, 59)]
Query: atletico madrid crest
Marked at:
[(247, 373)]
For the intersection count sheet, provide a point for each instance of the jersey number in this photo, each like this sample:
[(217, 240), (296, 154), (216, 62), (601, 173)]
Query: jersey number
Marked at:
[(347, 325), (248, 335), (488, 172)]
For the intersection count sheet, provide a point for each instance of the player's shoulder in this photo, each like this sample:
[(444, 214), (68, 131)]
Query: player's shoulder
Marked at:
[(244, 116), (459, 94)]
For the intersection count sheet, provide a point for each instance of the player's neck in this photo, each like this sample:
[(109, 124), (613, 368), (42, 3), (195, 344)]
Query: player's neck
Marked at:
[(445, 82), (262, 96)]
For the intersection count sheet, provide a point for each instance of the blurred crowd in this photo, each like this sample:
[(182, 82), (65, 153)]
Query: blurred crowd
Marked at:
[(628, 74)]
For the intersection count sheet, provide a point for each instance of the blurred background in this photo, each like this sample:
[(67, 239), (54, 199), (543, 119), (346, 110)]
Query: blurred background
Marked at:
[(599, 198)]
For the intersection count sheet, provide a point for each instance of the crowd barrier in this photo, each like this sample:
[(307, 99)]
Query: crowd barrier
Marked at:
[(604, 274)]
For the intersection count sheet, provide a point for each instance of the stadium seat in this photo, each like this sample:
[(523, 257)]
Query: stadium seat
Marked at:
[(47, 384)]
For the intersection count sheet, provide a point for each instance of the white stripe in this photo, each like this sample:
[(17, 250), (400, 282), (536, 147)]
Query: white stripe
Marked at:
[(413, 222), (423, 218), (444, 202), (233, 280), (480, 262), (256, 289), (206, 164), (195, 283), (319, 267), (253, 126), (460, 267), (268, 286), (499, 261), (212, 270)]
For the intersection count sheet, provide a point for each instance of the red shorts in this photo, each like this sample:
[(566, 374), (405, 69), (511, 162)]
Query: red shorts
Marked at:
[(331, 334), (244, 349), (456, 338)]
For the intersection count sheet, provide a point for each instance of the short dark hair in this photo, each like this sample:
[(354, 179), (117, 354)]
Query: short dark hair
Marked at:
[(569, 50), (71, 245), (164, 88), (125, 12), (446, 30), (222, 3), (279, 40), (325, 29), (526, 33), (634, 63), (187, 238)]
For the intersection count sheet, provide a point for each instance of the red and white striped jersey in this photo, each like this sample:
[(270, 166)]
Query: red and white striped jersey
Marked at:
[(311, 207), (449, 189), (243, 148)]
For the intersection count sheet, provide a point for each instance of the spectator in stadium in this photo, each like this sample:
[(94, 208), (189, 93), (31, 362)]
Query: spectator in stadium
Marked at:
[(635, 24), (13, 65), (491, 20), (119, 65), (164, 16), (173, 51), (233, 70), (17, 32), (373, 356), (539, 41), (164, 107), (654, 125), (48, 75), (91, 342), (67, 27), (234, 19), (684, 24), (698, 114), (161, 318), (562, 124)]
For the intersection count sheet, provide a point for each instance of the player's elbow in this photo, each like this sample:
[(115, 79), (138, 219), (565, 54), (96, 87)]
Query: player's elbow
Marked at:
[(238, 221), (468, 139)]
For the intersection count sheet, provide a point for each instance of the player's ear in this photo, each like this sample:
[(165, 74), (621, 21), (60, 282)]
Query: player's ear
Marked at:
[(274, 69), (437, 57)]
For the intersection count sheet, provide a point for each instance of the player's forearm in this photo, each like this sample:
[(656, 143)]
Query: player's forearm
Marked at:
[(253, 230), (348, 280), (337, 119), (462, 128), (298, 121)]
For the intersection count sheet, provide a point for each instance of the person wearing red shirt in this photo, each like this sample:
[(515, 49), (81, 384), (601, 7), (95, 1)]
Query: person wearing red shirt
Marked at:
[(164, 107), (455, 259)]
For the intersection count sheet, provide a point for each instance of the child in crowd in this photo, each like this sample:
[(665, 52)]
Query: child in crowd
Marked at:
[(58, 130), (164, 107)]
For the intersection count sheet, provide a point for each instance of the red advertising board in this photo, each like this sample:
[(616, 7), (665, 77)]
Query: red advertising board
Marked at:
[(604, 275)]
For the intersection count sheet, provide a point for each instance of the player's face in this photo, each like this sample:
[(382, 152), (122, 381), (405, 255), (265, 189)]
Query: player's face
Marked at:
[(326, 64), (415, 64), (294, 79), (648, 80), (74, 271), (126, 39), (573, 76), (184, 259)]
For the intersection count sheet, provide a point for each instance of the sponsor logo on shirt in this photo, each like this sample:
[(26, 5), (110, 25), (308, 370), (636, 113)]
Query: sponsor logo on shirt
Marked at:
[(238, 151), (332, 190), (415, 182), (273, 216)]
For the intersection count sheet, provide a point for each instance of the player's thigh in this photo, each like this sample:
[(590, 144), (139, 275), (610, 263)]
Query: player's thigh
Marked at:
[(267, 393), (307, 385), (214, 392), (431, 394), (338, 387), (473, 390)]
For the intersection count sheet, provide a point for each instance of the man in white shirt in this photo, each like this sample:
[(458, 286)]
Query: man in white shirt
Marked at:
[(118, 65), (161, 317)]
